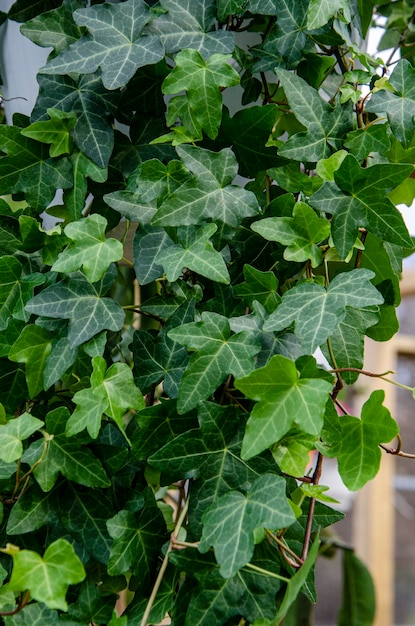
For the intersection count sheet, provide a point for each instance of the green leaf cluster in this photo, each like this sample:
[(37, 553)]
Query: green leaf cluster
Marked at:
[(228, 213)]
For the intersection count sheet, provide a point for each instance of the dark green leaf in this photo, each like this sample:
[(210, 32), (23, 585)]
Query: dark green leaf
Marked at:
[(359, 600), (54, 28), (15, 290)]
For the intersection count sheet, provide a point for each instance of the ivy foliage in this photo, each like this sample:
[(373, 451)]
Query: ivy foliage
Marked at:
[(228, 208)]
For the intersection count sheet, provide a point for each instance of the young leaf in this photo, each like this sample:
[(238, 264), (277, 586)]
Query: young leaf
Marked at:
[(356, 441), (56, 131), (89, 248), (12, 434), (48, 577), (284, 399), (114, 43), (217, 355), (316, 311), (202, 80), (32, 348), (229, 523)]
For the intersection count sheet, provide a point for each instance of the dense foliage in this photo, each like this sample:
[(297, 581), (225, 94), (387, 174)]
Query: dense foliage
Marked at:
[(158, 385)]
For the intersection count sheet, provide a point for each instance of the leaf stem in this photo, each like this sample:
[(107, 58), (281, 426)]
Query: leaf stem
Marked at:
[(266, 572)]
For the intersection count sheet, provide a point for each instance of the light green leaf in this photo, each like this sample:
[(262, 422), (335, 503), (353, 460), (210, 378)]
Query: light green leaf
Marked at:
[(218, 353), (48, 577), (114, 43), (90, 249), (355, 442), (229, 523), (14, 432), (359, 599), (137, 540), (189, 24), (399, 106), (292, 453), (80, 302), (284, 400), (321, 11), (210, 195), (300, 233), (326, 126), (15, 290), (202, 81), (83, 169), (194, 252), (32, 348), (112, 392), (317, 311), (358, 198), (56, 131)]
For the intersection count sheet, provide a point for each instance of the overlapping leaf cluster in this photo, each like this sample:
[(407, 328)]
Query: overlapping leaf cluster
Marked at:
[(161, 333)]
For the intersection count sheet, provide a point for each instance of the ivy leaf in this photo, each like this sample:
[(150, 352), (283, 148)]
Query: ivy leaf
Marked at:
[(89, 249), (27, 167), (285, 398), (32, 510), (363, 141), (229, 523), (211, 456), (77, 300), (188, 24), (56, 131), (202, 81), (217, 355), (114, 43), (32, 348), (195, 252), (160, 358), (317, 311), (56, 28), (399, 105), (35, 614), (14, 432), (149, 241), (112, 392), (292, 453), (93, 106), (137, 540), (210, 195), (259, 286), (355, 442), (82, 169), (15, 290), (357, 199), (74, 461), (300, 233), (48, 577), (326, 126), (359, 599), (321, 11)]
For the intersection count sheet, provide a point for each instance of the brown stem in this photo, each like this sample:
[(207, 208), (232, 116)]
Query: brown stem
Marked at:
[(23, 600), (398, 450), (307, 534), (359, 371)]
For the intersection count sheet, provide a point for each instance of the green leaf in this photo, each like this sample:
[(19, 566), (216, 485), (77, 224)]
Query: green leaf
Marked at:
[(398, 105), (357, 199), (210, 194), (93, 106), (73, 460), (61, 357), (27, 167), (217, 355), (300, 233), (188, 24), (209, 455), (359, 600), (36, 614), (259, 286), (326, 126), (114, 43), (292, 453), (160, 358), (54, 28), (356, 441), (77, 300), (321, 11), (112, 392), (284, 399), (14, 432), (317, 311), (32, 510), (15, 290), (56, 131), (90, 249), (32, 348), (195, 252), (137, 540), (149, 241), (83, 169), (202, 81), (229, 523), (48, 577), (363, 141)]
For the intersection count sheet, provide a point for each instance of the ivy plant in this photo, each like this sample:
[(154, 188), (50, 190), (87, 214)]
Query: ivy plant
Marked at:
[(230, 172)]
